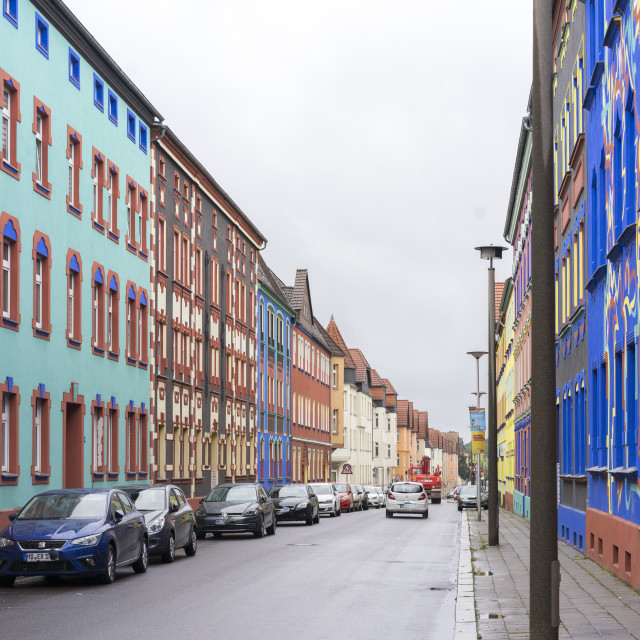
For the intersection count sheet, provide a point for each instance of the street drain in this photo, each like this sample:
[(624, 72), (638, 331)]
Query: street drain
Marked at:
[(441, 588), (303, 544), (395, 561), (484, 574), (492, 616)]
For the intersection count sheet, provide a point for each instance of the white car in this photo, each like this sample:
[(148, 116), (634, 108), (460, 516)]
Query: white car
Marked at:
[(374, 497), (328, 498), (407, 497)]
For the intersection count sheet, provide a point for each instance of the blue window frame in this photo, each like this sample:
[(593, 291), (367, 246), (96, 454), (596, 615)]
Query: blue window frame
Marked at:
[(42, 35), (98, 92), (131, 125), (74, 68), (10, 11), (143, 135), (113, 107)]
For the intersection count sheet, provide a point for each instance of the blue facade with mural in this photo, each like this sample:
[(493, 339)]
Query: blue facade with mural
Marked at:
[(611, 114), (275, 320)]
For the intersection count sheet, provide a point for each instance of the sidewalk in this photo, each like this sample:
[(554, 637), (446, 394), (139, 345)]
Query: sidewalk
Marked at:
[(593, 602)]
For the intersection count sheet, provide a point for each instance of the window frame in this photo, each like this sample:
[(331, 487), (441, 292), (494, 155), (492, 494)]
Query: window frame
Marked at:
[(40, 458), (10, 237), (112, 107), (74, 306), (98, 346), (12, 116), (98, 92), (41, 255), (131, 304), (74, 68), (131, 201), (142, 338), (9, 412), (42, 27), (42, 115), (10, 12), (97, 175), (74, 158), (113, 195), (112, 327)]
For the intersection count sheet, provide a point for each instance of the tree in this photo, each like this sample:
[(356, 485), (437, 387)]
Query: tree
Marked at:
[(463, 467)]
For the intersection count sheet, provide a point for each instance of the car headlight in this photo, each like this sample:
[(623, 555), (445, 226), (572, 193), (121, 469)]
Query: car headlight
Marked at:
[(251, 511), (88, 541), (200, 511), (156, 525), (303, 505), (5, 542)]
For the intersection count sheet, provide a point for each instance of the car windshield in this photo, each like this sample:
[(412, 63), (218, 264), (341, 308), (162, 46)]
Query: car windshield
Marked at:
[(289, 491), (150, 500), (406, 487), (321, 489), (469, 491), (232, 494), (342, 488), (66, 506), (370, 489)]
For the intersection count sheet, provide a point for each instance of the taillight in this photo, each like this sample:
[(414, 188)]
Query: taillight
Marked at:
[(390, 496), (423, 496)]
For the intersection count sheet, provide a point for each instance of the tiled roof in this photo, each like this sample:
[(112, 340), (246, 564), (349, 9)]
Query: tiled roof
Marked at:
[(410, 415), (403, 413), (376, 380), (434, 439), (498, 298), (332, 346), (267, 278), (416, 421), (423, 424), (361, 364), (297, 292), (336, 336), (390, 389)]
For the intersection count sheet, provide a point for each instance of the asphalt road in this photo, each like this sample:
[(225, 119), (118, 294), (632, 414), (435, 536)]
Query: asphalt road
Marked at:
[(359, 576)]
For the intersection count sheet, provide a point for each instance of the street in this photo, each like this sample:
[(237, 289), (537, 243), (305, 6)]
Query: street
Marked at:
[(357, 576)]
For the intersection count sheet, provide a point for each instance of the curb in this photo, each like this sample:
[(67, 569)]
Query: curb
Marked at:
[(466, 627)]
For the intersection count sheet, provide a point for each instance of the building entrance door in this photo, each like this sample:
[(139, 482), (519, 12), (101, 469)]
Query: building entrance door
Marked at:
[(73, 444)]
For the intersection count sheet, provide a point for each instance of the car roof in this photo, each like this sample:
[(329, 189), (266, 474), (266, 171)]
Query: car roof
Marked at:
[(72, 491)]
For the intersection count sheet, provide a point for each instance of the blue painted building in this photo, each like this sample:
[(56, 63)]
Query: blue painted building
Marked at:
[(74, 193), (275, 320), (611, 120), (570, 226)]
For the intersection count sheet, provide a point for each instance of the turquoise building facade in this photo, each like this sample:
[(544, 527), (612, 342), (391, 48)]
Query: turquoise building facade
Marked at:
[(74, 232)]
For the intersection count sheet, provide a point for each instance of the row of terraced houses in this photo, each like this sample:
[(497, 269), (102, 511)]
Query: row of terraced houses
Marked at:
[(161, 346), (596, 166)]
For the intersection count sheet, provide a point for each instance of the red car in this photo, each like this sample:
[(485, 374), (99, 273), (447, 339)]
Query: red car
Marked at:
[(346, 495)]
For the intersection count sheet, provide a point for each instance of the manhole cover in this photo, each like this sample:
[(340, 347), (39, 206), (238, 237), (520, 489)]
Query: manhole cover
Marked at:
[(302, 544), (448, 588)]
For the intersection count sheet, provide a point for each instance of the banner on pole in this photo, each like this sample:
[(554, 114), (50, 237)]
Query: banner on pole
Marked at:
[(477, 419), (477, 442)]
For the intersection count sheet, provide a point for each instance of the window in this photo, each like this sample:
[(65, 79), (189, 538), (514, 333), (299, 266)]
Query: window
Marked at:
[(74, 300), (142, 338), (98, 92), (112, 440), (334, 425), (161, 244), (132, 323), (176, 255), (42, 130), (113, 193), (143, 216), (10, 118), (97, 173), (74, 68), (131, 443), (131, 125), (113, 107), (335, 376), (161, 166), (132, 209), (143, 133), (40, 469), (42, 35), (279, 334), (270, 327), (142, 440), (41, 286), (10, 283), (97, 309), (9, 433), (185, 274), (10, 11), (98, 461), (113, 316), (74, 156), (176, 182), (198, 271), (199, 203)]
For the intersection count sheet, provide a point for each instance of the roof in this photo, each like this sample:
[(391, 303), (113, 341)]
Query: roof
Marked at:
[(267, 278), (296, 293), (333, 347), (390, 389), (376, 380), (361, 365), (403, 413), (423, 424), (336, 336), (435, 439), (499, 287)]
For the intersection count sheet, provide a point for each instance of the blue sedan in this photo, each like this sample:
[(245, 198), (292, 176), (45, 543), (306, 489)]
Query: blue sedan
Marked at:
[(74, 532)]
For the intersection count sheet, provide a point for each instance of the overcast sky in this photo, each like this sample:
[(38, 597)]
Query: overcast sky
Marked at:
[(371, 141)]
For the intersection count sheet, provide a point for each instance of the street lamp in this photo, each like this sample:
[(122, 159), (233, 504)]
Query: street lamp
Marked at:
[(490, 253), (477, 355)]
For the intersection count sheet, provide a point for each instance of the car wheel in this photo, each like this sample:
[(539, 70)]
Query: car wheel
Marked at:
[(339, 512), (7, 581), (201, 535), (217, 535), (459, 508), (425, 515), (141, 564), (192, 547), (333, 514), (317, 518), (309, 520), (108, 574), (169, 555), (274, 523), (389, 514), (261, 532), (486, 508)]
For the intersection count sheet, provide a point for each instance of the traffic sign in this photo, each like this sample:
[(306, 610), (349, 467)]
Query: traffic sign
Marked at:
[(346, 468)]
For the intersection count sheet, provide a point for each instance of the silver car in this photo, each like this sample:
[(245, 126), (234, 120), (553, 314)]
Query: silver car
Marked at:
[(374, 498), (328, 498), (407, 497)]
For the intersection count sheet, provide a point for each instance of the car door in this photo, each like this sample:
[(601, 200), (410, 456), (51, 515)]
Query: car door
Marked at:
[(313, 499), (182, 517), (266, 506), (119, 527), (134, 526)]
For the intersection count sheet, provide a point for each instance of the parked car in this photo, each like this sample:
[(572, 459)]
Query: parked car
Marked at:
[(407, 497), (169, 518), (74, 532), (365, 498), (328, 498), (383, 496), (295, 502), (373, 496), (358, 497), (346, 495), (233, 507), (467, 498)]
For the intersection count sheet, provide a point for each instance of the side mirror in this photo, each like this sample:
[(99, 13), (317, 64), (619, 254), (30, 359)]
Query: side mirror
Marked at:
[(201, 500), (174, 508), (13, 516), (118, 515)]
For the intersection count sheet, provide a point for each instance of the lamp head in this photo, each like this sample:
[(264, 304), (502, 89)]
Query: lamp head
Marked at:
[(477, 354), (489, 252)]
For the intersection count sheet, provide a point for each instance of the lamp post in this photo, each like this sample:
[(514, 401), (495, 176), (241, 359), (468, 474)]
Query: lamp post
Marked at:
[(490, 253), (477, 355)]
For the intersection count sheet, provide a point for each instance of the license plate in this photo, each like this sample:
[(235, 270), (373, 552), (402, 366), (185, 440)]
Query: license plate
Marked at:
[(409, 503), (37, 557), (218, 521), (401, 506)]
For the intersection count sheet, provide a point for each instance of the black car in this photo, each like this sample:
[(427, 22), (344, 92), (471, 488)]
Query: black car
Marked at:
[(233, 507), (364, 503), (467, 498), (295, 502), (169, 517)]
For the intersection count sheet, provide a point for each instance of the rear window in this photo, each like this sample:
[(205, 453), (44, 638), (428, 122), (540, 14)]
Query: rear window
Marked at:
[(406, 487), (469, 491)]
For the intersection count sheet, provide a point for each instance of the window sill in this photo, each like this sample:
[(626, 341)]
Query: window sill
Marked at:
[(42, 334), (97, 351), (113, 356), (74, 344), (97, 226), (114, 235), (40, 188), (75, 211), (11, 170), (9, 323)]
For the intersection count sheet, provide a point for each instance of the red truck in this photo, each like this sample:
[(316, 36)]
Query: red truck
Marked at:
[(432, 482)]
